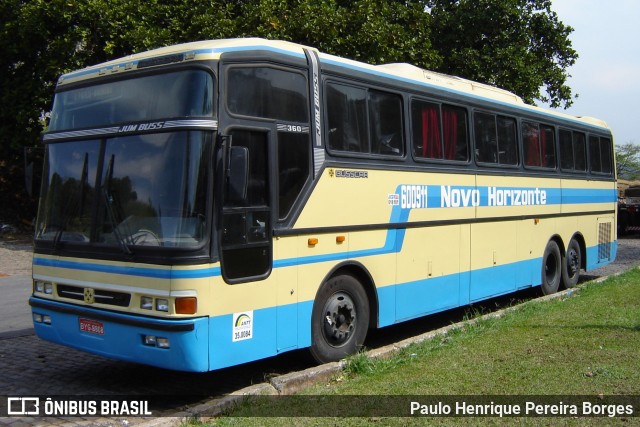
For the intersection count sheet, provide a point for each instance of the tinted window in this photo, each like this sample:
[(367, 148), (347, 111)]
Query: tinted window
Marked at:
[(385, 118), (179, 94), (349, 107), (347, 118), (600, 157), (269, 93), (539, 145), (572, 150), (495, 139), (439, 134), (293, 168)]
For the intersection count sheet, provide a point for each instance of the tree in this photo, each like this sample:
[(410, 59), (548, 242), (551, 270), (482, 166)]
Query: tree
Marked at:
[(628, 161), (519, 45)]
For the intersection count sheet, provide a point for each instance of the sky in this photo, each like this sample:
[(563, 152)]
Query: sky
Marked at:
[(606, 76)]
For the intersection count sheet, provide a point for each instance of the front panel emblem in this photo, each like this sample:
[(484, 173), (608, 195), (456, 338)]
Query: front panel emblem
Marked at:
[(89, 295)]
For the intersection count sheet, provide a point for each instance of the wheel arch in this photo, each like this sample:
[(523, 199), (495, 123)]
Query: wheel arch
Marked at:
[(362, 275), (556, 238)]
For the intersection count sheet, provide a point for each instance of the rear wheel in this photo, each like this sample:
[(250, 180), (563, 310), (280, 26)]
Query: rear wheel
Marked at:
[(339, 320), (551, 268), (571, 265)]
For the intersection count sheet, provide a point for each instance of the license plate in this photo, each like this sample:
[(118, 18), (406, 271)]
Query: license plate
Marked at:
[(91, 326)]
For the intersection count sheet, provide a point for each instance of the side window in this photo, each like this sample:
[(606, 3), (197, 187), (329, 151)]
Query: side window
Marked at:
[(385, 118), (364, 121), (567, 160), (595, 162), (572, 151), (268, 93), (580, 151), (293, 168), (439, 132), (455, 130), (347, 118), (600, 156), (539, 145), (507, 141), (495, 139)]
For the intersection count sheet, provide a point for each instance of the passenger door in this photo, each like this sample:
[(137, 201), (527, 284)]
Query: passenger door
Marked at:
[(266, 110)]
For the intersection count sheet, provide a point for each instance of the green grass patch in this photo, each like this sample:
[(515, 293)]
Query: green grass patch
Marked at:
[(585, 343)]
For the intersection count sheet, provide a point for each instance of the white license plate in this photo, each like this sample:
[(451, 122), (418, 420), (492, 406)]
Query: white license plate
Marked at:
[(91, 326)]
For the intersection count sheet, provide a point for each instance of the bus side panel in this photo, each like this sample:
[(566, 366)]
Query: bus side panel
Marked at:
[(428, 271), (494, 259)]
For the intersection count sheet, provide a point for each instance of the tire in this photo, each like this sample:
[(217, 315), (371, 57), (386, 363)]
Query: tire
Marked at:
[(339, 320), (571, 265), (551, 268)]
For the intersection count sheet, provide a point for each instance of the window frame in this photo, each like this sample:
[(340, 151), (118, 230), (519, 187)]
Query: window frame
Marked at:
[(367, 114), (572, 133), (440, 104), (540, 125), (293, 70), (496, 115)]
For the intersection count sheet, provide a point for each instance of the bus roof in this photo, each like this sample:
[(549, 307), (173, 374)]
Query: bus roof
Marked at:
[(213, 49)]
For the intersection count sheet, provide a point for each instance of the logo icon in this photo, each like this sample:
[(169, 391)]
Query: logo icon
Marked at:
[(23, 406), (89, 295)]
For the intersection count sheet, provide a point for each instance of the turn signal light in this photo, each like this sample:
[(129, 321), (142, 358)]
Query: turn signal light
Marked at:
[(186, 305)]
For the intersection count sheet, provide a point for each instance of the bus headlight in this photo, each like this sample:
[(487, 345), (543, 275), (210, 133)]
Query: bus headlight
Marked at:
[(43, 287), (146, 303), (162, 304), (38, 286)]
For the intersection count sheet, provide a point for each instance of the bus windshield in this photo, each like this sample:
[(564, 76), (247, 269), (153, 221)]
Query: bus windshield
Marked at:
[(136, 190)]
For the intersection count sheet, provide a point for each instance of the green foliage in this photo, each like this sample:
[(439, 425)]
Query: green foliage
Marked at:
[(628, 161), (519, 45)]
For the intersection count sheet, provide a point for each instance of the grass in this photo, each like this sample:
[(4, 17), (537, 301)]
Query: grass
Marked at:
[(585, 343)]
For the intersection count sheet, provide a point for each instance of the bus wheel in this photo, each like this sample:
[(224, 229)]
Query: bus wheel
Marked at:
[(339, 320), (571, 265), (551, 268)]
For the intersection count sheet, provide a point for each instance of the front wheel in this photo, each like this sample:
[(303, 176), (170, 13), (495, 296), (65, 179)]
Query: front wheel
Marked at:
[(571, 265), (551, 268), (339, 320)]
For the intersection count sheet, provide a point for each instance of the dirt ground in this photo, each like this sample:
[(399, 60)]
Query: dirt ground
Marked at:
[(15, 255)]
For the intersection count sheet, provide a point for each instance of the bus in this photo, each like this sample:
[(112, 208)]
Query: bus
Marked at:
[(213, 203)]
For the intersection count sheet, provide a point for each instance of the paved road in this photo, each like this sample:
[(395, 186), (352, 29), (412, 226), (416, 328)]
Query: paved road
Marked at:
[(15, 317), (31, 366)]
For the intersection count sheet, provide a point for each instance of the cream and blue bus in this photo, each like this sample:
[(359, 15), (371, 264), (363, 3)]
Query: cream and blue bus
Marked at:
[(213, 203)]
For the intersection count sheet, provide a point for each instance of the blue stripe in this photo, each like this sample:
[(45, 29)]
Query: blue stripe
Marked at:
[(155, 273)]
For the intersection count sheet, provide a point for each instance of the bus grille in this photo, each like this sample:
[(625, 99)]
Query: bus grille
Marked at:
[(604, 241), (119, 299)]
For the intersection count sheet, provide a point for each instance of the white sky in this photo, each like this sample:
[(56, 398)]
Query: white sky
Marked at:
[(606, 75)]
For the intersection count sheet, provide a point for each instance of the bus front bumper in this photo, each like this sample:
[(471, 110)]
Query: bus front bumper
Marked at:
[(178, 344)]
